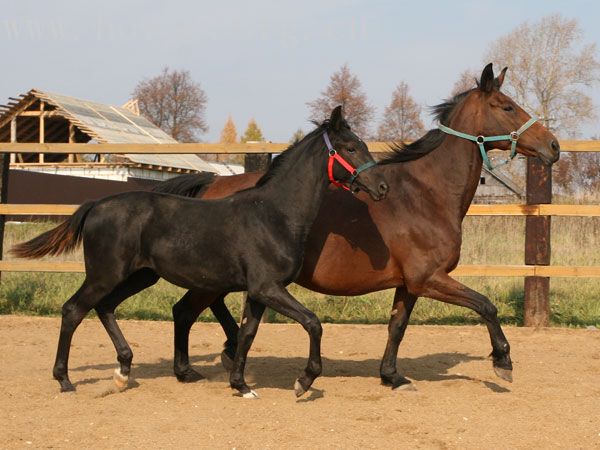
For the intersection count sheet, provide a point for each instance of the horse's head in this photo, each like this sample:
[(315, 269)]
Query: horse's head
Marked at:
[(495, 116), (350, 160)]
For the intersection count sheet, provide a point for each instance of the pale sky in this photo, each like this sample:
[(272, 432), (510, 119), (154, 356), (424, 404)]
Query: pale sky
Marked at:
[(262, 59)]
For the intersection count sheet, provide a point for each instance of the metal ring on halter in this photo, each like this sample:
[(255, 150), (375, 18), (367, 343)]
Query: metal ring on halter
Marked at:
[(514, 136), (480, 139), (332, 152)]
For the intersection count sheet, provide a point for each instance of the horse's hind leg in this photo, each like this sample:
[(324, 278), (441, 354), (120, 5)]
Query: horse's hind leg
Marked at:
[(442, 287), (231, 329), (253, 312), (185, 313), (401, 309), (277, 298), (135, 283), (73, 312)]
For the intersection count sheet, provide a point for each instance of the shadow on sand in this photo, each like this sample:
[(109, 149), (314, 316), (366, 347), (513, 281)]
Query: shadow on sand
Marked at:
[(280, 372)]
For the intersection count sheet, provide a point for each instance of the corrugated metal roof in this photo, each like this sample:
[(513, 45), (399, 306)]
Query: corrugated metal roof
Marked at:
[(106, 123), (114, 125)]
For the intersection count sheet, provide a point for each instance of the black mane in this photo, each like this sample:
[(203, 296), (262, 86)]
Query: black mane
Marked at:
[(429, 141), (284, 156)]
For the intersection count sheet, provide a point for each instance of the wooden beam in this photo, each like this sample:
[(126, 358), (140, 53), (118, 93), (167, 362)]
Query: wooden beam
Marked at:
[(460, 271), (42, 129), (71, 141), (535, 210), (262, 147)]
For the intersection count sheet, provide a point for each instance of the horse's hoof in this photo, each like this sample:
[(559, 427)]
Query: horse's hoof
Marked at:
[(505, 374), (251, 394), (226, 361), (298, 389), (121, 381), (66, 387), (408, 387), (189, 376)]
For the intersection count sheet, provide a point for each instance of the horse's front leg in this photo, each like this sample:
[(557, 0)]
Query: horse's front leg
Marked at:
[(442, 287), (402, 307)]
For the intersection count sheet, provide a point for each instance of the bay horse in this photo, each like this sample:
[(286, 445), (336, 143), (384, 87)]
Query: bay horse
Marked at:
[(252, 241), (411, 241)]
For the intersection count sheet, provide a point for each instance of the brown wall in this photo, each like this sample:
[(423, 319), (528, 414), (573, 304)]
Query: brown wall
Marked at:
[(32, 187)]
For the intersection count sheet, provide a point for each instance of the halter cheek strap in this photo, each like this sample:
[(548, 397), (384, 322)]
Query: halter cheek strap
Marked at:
[(481, 140), (335, 156)]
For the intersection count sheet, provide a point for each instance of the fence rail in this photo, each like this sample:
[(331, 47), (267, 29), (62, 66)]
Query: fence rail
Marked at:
[(239, 148), (474, 270), (11, 209)]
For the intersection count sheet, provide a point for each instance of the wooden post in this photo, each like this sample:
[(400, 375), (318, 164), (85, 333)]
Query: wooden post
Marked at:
[(537, 245), (42, 130), (4, 171), (71, 141), (257, 162)]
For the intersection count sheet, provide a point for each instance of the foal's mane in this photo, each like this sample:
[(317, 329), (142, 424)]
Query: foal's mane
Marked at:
[(291, 150), (429, 141)]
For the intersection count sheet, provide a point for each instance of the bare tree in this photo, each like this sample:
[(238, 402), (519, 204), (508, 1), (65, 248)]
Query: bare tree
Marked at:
[(344, 89), (229, 132), (402, 118), (467, 80), (550, 71), (175, 103)]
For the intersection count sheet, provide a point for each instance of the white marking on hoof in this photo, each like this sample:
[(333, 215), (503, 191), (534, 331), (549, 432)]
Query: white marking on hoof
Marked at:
[(251, 394), (120, 380), (298, 389), (409, 387)]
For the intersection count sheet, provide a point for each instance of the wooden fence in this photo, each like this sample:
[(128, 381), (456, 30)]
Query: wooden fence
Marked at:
[(537, 270)]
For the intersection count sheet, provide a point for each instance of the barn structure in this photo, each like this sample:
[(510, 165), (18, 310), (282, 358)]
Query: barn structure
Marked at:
[(44, 117)]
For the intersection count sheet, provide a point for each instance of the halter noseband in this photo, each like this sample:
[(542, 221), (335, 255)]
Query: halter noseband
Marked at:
[(335, 156), (480, 140)]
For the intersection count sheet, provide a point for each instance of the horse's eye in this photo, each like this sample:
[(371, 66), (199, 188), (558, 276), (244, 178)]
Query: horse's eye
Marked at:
[(508, 108), (350, 150)]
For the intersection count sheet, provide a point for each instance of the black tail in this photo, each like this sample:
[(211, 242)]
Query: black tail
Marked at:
[(63, 239), (189, 185)]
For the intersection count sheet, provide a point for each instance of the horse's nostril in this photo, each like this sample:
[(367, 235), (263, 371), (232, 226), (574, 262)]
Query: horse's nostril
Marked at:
[(383, 188), (555, 145)]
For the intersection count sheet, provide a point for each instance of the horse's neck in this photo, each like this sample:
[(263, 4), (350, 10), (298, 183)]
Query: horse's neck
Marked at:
[(448, 177), (298, 186)]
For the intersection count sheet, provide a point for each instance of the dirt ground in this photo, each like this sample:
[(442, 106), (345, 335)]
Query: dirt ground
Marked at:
[(554, 401)]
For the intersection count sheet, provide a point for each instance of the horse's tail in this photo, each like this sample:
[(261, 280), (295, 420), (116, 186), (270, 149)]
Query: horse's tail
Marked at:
[(63, 239), (189, 185)]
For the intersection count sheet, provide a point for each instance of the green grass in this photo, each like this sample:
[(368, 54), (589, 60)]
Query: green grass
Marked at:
[(489, 240)]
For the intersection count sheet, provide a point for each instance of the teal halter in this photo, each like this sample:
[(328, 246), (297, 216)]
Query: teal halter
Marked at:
[(481, 140)]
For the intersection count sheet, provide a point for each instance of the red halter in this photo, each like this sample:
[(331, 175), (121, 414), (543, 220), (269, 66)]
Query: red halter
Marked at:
[(335, 156)]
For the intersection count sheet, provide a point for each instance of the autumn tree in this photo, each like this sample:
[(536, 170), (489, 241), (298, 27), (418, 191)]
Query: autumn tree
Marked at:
[(402, 117), (297, 136), (344, 89), (550, 70), (252, 133), (229, 132), (175, 103), (467, 80)]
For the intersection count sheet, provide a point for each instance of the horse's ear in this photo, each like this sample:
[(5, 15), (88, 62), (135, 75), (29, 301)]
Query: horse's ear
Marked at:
[(500, 79), (486, 84), (337, 118)]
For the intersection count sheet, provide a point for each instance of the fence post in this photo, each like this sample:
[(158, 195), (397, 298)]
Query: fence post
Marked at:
[(537, 245)]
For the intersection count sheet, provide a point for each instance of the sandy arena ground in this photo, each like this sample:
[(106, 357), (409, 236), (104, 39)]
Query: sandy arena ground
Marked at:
[(459, 403)]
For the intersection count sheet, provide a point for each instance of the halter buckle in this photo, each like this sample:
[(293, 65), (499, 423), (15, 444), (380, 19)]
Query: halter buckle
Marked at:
[(480, 139), (514, 136), (332, 152)]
